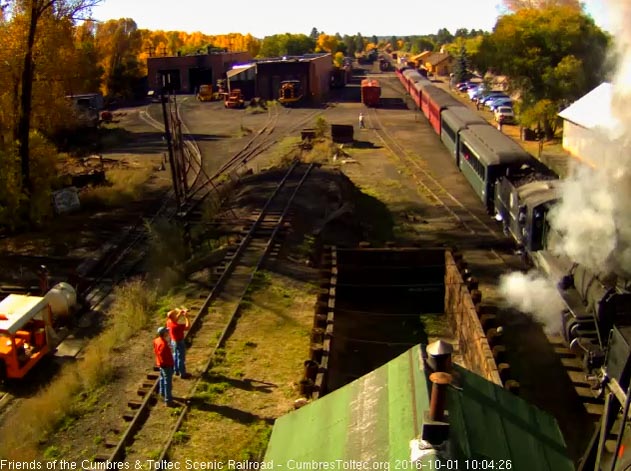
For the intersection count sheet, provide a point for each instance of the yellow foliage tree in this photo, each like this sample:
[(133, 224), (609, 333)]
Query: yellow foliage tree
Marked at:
[(326, 43)]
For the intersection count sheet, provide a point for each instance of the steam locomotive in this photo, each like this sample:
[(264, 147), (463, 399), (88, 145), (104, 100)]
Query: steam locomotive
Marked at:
[(519, 191)]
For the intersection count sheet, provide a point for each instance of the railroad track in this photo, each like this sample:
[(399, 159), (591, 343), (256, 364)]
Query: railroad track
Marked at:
[(211, 325), (436, 193)]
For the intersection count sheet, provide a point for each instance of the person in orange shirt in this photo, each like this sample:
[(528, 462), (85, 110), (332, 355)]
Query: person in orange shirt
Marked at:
[(176, 330), (164, 360)]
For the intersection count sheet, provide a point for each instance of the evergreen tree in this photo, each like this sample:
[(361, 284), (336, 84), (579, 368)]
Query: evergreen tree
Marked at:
[(359, 43), (461, 68), (314, 33)]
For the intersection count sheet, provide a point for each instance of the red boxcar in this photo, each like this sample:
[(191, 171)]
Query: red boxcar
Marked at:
[(371, 92)]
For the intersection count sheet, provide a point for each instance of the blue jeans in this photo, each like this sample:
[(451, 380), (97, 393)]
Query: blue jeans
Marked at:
[(165, 383), (179, 356)]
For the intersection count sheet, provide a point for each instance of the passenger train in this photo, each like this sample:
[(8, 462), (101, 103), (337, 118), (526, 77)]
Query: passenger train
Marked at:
[(519, 191)]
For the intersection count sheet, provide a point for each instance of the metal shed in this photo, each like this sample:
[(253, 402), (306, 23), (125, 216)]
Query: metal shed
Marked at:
[(377, 420)]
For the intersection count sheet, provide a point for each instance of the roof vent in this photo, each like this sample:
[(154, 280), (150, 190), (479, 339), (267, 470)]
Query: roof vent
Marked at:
[(439, 355)]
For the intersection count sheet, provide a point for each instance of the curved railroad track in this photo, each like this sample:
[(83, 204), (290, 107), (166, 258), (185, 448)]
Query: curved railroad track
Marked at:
[(211, 324)]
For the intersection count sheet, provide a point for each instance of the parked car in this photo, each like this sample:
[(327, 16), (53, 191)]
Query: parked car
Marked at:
[(497, 102), (504, 115), (491, 95), (477, 92), (462, 86), (489, 100)]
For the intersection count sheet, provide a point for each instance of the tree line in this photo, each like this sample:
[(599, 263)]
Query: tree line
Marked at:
[(551, 51)]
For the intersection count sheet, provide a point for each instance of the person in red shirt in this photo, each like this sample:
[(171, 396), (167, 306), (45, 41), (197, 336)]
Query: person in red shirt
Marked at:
[(164, 360), (176, 330)]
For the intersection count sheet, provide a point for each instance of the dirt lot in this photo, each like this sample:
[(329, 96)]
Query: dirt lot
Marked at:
[(391, 208)]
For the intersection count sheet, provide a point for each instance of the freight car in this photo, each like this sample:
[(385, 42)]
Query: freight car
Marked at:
[(370, 92)]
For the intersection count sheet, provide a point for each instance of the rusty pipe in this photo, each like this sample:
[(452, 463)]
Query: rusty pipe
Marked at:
[(438, 400)]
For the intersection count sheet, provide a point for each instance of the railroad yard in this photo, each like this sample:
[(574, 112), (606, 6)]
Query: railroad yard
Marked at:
[(254, 277)]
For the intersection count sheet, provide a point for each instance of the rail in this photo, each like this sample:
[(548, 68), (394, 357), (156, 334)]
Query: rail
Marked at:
[(141, 409)]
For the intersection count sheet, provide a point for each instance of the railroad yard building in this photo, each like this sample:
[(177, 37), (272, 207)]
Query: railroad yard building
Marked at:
[(187, 73), (260, 78)]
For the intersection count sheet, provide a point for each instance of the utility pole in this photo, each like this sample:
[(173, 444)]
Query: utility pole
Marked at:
[(166, 86)]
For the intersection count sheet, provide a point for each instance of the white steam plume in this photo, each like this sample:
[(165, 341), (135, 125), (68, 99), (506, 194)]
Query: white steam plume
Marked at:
[(533, 294), (594, 215)]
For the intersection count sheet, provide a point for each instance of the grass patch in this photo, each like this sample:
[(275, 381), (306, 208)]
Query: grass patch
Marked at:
[(256, 446), (285, 152), (124, 186), (436, 325), (260, 280), (257, 380), (168, 250), (321, 152)]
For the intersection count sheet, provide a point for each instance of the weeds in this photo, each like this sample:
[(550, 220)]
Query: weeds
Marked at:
[(167, 252), (321, 127), (132, 309), (322, 152), (180, 437), (125, 185), (257, 445), (52, 453)]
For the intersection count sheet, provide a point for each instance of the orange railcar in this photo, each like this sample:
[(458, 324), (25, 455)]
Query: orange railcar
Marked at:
[(370, 92)]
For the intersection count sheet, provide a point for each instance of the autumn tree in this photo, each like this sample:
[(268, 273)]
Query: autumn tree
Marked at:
[(326, 43), (88, 73), (554, 54), (34, 12), (516, 5), (120, 43)]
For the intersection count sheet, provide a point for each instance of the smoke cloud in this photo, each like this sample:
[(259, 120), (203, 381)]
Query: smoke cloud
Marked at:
[(531, 293), (593, 218)]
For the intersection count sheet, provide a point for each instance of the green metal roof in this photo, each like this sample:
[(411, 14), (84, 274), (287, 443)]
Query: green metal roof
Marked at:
[(375, 418)]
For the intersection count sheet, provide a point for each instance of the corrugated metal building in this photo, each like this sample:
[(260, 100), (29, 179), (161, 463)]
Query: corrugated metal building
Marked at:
[(590, 129), (375, 423), (189, 72)]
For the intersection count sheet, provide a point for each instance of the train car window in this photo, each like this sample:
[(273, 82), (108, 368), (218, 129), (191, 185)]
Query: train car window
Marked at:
[(450, 132), (473, 161)]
